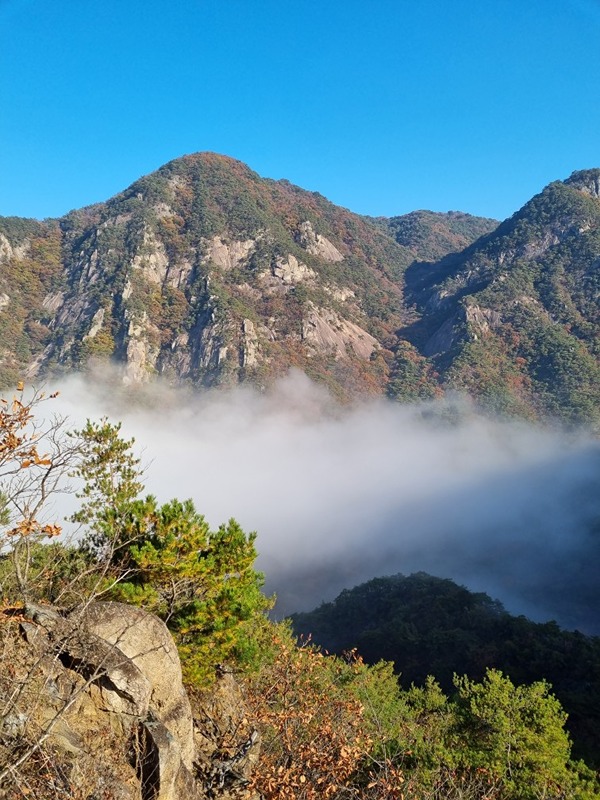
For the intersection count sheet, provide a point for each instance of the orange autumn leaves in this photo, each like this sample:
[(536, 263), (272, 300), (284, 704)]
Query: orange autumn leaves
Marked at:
[(316, 742), (19, 438)]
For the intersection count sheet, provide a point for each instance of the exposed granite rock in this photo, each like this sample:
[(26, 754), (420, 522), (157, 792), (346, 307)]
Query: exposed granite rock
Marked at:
[(147, 642), (136, 371), (8, 251), (152, 258), (340, 294), (53, 301), (326, 330), (587, 181), (290, 271), (318, 245), (228, 254), (249, 344), (481, 320), (102, 687), (97, 321), (142, 353)]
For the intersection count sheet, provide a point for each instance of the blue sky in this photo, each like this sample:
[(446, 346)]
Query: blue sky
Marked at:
[(382, 106)]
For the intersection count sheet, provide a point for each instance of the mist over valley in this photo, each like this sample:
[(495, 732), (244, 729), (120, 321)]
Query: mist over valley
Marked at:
[(340, 494)]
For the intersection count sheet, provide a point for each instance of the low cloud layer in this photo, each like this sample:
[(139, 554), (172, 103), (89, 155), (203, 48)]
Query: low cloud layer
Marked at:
[(340, 495)]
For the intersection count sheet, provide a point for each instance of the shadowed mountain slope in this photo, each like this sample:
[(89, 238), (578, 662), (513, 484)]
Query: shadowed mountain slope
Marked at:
[(432, 626)]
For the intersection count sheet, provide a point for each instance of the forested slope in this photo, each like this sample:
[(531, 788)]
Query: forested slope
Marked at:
[(432, 626), (514, 318)]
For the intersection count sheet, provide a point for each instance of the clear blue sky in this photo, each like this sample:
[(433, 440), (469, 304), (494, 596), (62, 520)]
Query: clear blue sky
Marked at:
[(383, 106)]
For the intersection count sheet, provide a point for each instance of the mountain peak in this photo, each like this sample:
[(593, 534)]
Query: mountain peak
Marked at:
[(586, 180), (208, 160)]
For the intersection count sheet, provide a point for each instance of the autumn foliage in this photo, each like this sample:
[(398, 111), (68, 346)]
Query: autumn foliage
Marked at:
[(313, 733)]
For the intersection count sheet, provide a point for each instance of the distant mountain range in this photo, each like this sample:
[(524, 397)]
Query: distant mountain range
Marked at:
[(207, 274)]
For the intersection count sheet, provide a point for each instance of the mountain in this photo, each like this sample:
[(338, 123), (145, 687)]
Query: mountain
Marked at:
[(208, 274), (205, 272), (514, 318), (432, 626), (431, 235)]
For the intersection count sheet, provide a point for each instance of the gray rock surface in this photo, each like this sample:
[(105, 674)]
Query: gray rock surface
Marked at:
[(146, 640), (100, 685)]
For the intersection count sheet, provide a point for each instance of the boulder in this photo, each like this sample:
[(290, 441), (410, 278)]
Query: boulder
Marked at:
[(146, 641), (102, 688)]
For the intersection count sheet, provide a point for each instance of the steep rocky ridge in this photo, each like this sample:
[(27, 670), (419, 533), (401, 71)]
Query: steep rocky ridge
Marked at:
[(514, 317), (30, 272), (206, 273)]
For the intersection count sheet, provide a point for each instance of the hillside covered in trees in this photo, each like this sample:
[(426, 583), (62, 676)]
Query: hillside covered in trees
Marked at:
[(300, 724), (432, 626), (209, 275), (514, 317)]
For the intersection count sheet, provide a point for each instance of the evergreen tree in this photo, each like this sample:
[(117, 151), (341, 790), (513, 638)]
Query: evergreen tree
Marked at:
[(202, 583)]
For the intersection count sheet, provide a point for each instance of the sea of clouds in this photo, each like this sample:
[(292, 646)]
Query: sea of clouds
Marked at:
[(341, 494)]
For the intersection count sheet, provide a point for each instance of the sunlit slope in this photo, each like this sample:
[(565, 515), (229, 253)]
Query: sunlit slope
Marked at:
[(431, 235), (207, 274), (513, 319)]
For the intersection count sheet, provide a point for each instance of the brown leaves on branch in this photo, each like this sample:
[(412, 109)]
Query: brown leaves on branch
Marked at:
[(28, 476), (29, 527), (312, 729), (19, 435)]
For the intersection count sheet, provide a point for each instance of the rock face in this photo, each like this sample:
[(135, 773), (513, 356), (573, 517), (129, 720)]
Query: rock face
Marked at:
[(587, 181), (325, 330), (228, 255), (103, 686), (146, 641), (317, 244)]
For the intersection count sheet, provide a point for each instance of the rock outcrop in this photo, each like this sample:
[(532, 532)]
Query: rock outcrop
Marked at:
[(147, 643), (102, 688), (317, 244)]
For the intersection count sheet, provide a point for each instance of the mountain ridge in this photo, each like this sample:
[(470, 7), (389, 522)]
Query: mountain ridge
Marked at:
[(427, 625), (207, 274)]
